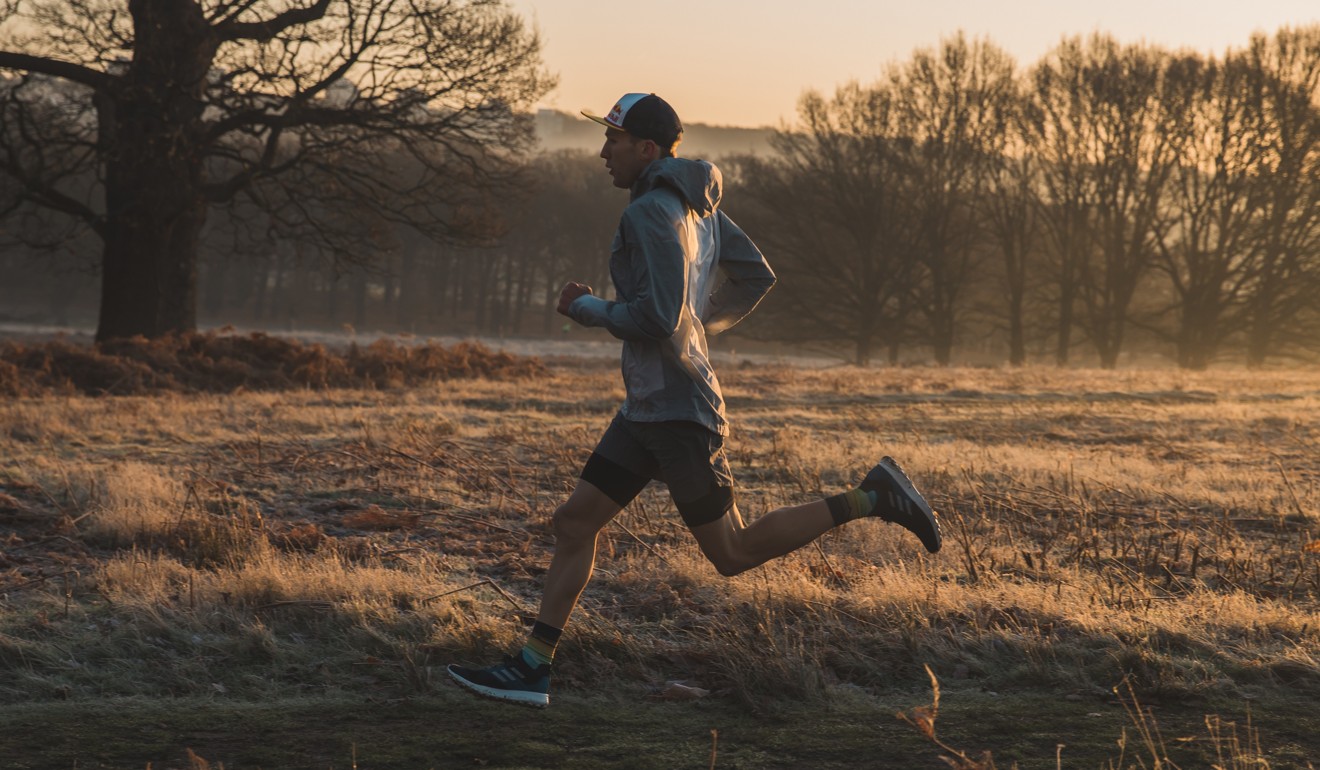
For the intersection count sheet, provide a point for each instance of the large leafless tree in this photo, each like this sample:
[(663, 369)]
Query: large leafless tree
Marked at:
[(135, 117)]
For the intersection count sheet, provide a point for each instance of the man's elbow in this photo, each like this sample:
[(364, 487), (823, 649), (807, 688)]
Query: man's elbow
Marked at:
[(656, 327), (661, 331)]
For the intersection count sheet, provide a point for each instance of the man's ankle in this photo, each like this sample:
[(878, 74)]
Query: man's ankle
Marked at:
[(850, 505), (540, 647)]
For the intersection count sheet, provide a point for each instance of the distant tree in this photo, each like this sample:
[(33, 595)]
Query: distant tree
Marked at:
[(1010, 210), (133, 118), (1210, 256), (1108, 118), (1282, 304), (953, 105), (828, 209), (1056, 125), (562, 231)]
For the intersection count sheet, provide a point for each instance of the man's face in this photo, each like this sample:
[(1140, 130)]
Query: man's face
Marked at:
[(626, 156)]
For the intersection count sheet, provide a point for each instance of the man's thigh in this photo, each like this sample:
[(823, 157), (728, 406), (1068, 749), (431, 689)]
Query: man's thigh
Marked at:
[(691, 461), (586, 511), (621, 465)]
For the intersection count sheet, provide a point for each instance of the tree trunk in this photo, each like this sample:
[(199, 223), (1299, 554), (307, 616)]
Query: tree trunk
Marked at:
[(215, 286), (149, 265), (405, 298), (942, 334), (153, 178), (261, 279), (1065, 323), (1109, 357), (1015, 269), (862, 351), (361, 283), (1260, 337), (1017, 342), (1198, 332)]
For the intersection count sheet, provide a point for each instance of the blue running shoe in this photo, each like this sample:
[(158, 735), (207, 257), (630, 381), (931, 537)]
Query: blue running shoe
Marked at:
[(897, 500), (513, 680)]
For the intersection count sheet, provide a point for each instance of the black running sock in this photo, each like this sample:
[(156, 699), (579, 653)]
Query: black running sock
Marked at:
[(853, 504)]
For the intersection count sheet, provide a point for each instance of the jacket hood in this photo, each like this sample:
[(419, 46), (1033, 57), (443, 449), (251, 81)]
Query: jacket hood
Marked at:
[(699, 183)]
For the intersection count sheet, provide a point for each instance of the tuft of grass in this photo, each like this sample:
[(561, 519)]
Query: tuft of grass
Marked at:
[(138, 504)]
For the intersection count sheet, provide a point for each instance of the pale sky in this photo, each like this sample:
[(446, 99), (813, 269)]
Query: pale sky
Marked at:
[(746, 62)]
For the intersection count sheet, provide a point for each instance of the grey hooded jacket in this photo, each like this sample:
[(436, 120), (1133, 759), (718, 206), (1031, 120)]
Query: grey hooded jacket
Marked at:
[(671, 242)]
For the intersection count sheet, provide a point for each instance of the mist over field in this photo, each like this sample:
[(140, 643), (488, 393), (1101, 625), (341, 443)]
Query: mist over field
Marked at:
[(1105, 205)]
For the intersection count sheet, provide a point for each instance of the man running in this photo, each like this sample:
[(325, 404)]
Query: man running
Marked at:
[(671, 243)]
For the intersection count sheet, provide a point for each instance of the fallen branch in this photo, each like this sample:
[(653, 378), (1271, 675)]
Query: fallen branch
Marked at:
[(490, 583)]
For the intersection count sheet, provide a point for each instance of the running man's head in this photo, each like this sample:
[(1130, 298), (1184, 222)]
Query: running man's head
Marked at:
[(639, 129)]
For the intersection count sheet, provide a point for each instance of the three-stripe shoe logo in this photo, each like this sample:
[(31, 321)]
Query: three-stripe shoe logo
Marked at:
[(903, 504)]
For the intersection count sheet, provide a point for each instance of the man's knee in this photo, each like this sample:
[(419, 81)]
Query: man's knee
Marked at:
[(572, 521), (723, 542), (729, 566), (729, 559)]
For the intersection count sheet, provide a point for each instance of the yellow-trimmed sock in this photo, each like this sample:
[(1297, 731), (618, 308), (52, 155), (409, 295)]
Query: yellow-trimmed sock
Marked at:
[(540, 647), (853, 504)]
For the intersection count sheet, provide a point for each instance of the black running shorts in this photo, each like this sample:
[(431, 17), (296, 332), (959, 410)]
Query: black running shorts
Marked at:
[(686, 456)]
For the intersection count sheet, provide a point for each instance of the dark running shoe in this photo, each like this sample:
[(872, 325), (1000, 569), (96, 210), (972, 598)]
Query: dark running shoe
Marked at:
[(900, 502), (513, 680)]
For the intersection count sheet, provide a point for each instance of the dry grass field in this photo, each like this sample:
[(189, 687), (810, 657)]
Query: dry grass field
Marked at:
[(276, 578)]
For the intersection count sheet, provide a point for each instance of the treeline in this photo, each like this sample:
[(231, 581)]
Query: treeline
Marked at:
[(1107, 192), (1109, 199)]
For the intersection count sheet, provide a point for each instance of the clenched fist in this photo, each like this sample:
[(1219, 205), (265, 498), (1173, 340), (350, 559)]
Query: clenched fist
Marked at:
[(571, 291)]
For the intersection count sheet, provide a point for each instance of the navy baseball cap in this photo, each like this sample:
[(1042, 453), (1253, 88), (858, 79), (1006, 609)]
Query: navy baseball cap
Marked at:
[(645, 116)]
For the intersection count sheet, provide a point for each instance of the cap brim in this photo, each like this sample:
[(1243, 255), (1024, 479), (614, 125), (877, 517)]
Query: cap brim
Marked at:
[(601, 121)]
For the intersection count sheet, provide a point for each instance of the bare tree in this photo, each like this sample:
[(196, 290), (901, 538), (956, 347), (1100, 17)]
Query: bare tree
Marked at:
[(1284, 288), (1056, 126), (953, 105), (1010, 209), (562, 231), (1109, 116), (187, 104), (1214, 196), (828, 211)]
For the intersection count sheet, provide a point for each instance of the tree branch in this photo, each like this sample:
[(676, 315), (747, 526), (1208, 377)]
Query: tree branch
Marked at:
[(263, 31), (47, 196), (56, 68)]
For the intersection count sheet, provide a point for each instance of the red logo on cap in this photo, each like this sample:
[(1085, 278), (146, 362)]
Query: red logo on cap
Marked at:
[(616, 115)]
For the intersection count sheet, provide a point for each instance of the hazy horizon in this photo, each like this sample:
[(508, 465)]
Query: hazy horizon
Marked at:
[(744, 63)]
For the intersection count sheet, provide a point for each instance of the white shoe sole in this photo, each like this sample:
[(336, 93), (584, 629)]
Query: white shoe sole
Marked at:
[(522, 698)]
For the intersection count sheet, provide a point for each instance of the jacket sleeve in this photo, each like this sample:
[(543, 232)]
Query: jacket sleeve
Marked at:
[(747, 278), (656, 275)]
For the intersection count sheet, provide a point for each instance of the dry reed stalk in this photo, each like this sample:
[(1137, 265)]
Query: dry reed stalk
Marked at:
[(923, 719)]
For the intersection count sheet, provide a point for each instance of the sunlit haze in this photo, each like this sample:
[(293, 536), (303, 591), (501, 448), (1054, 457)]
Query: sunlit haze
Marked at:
[(746, 62)]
